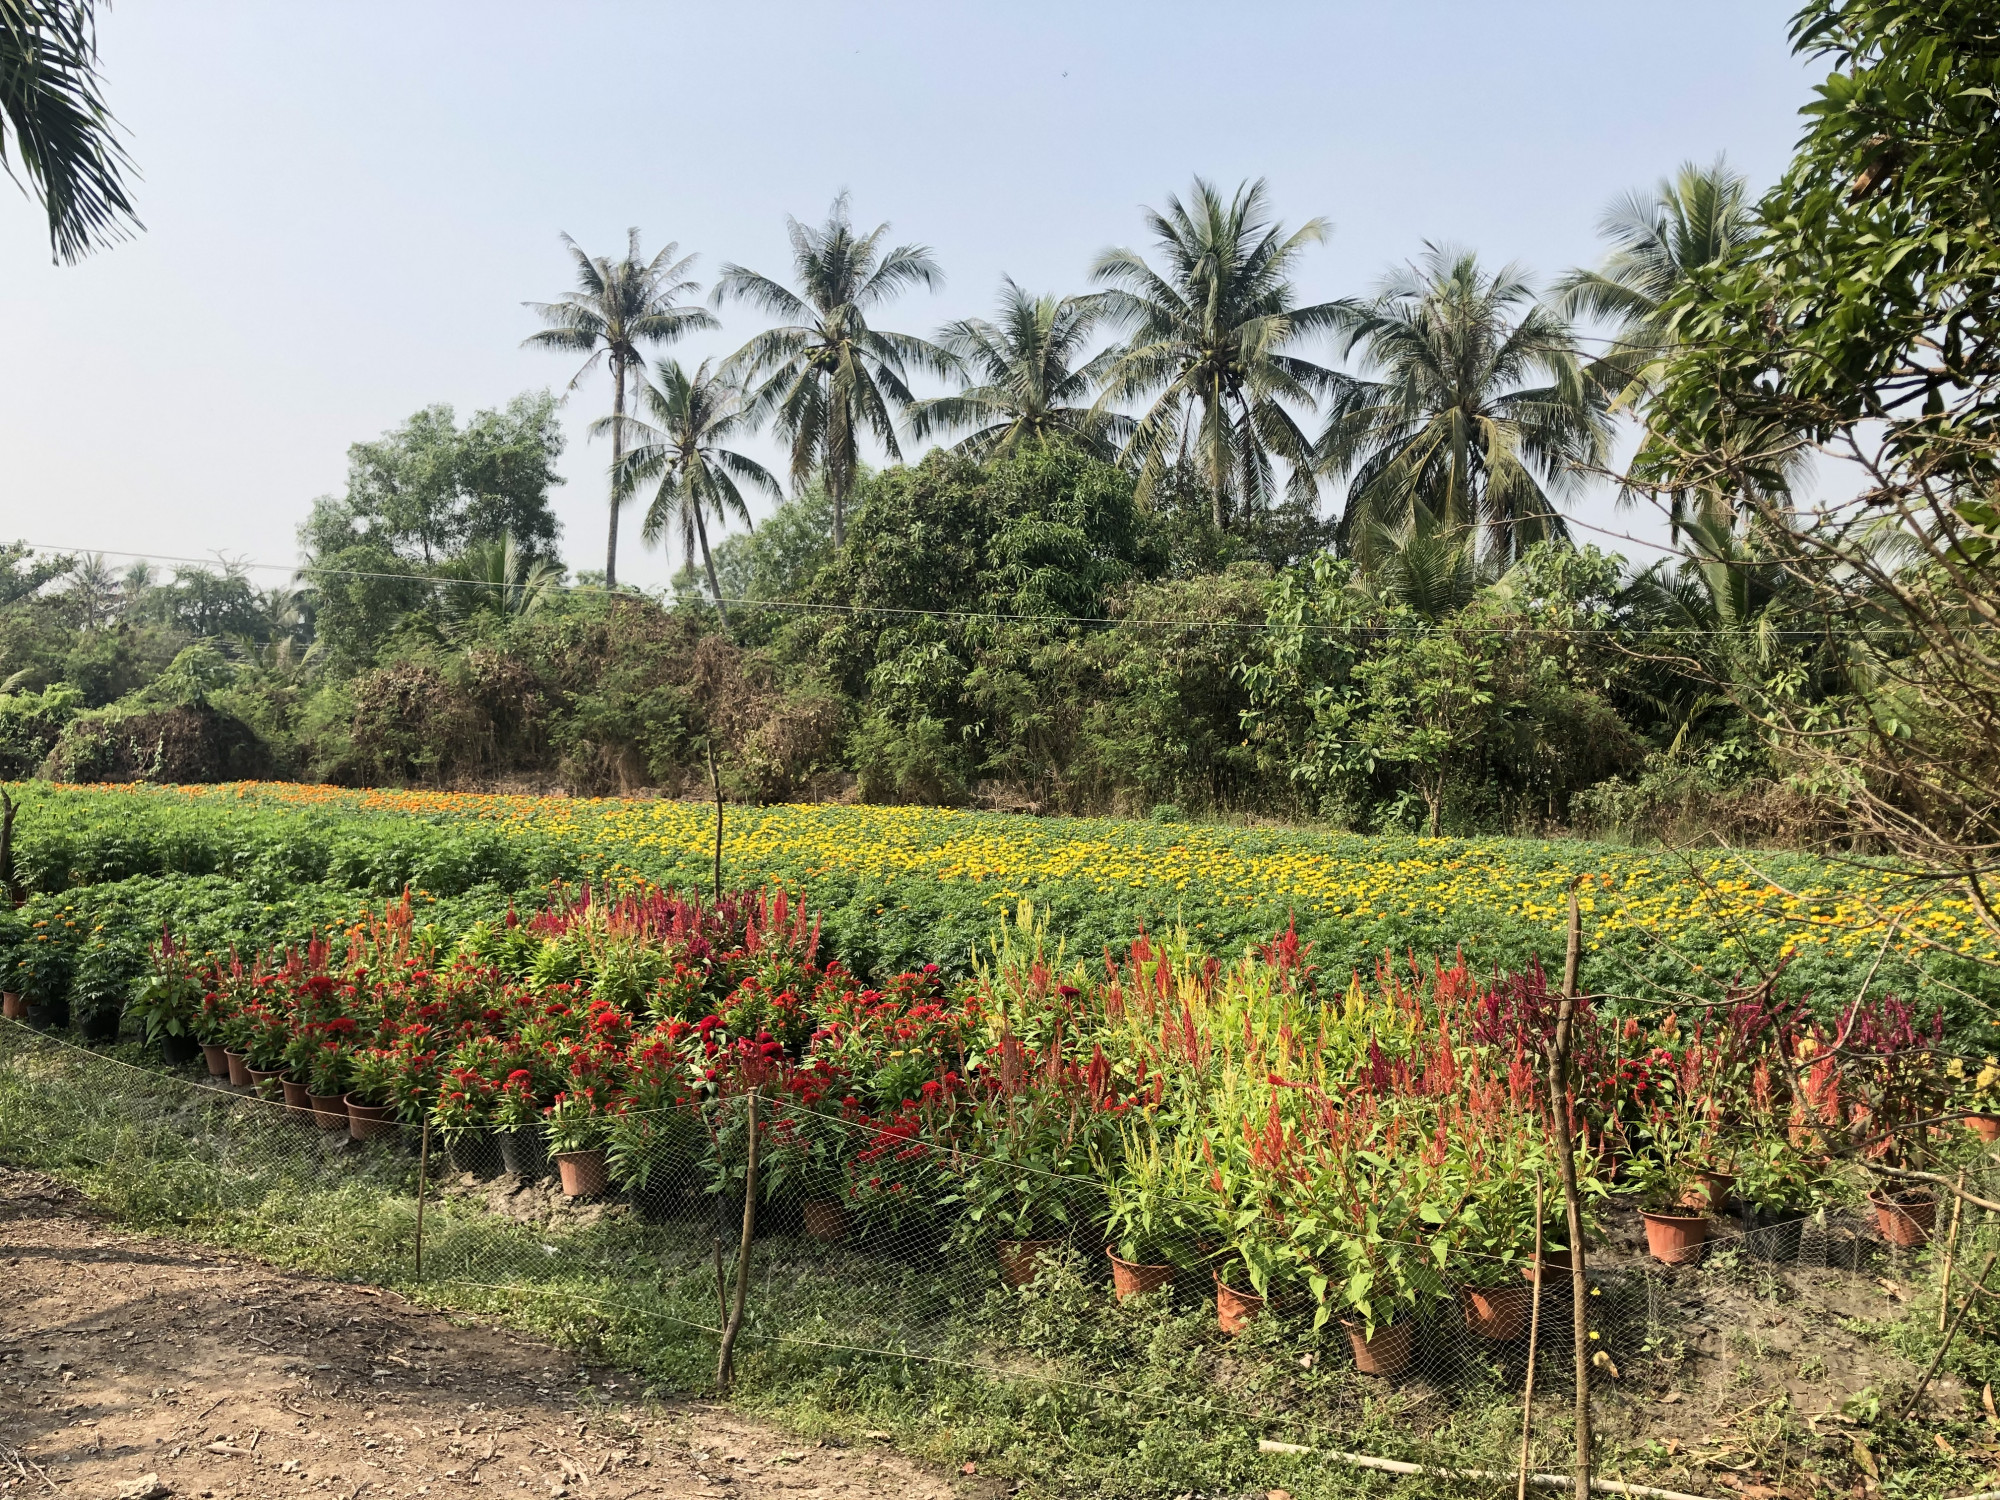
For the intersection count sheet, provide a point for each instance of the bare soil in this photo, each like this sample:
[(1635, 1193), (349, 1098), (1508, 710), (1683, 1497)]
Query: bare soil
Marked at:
[(127, 1358)]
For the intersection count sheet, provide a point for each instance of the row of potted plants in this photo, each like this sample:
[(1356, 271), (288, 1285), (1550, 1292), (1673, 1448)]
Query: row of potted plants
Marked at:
[(1367, 1152)]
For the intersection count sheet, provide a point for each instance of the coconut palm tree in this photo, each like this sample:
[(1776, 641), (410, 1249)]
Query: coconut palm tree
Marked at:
[(616, 307), (1481, 412), (499, 575), (1664, 242), (60, 129), (1027, 379), (1207, 338), (681, 447), (1420, 563), (824, 374), (1661, 242)]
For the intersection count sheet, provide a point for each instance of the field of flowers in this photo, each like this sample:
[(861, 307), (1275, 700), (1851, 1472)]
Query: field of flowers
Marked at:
[(902, 886)]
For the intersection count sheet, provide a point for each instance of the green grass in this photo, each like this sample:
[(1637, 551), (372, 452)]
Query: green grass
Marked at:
[(1055, 1385)]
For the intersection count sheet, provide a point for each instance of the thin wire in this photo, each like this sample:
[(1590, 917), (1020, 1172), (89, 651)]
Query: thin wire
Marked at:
[(1561, 632)]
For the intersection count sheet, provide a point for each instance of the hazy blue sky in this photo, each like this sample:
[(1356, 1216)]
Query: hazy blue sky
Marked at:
[(346, 204)]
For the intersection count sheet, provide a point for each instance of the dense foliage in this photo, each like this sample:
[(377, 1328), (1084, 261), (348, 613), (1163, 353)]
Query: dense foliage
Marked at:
[(900, 887)]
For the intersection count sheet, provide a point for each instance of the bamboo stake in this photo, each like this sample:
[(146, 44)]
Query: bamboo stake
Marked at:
[(725, 1368), (715, 781), (1539, 1481), (1566, 1163), (1950, 1248), (423, 1182), (1534, 1336), (1951, 1332)]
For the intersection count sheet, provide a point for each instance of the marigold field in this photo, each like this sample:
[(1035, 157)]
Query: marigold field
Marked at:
[(904, 885)]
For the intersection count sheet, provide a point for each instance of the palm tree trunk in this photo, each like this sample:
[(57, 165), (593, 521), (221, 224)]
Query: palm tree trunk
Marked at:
[(1218, 463), (708, 563), (617, 453)]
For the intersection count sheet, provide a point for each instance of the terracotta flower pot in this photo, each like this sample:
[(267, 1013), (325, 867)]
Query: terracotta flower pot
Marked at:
[(1709, 1191), (367, 1121), (1021, 1259), (297, 1098), (1388, 1353), (329, 1111), (826, 1222), (1675, 1238), (237, 1065), (1129, 1280), (267, 1082), (1498, 1312), (13, 1006), (1905, 1222), (1233, 1309), (1555, 1261), (216, 1058), (585, 1174), (1986, 1127)]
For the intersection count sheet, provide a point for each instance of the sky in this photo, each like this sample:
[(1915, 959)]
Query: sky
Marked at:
[(346, 206)]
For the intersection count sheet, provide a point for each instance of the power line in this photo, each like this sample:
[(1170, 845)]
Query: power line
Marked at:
[(810, 606)]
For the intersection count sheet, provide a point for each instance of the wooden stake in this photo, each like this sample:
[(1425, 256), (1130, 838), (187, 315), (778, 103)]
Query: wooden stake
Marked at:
[(423, 1182), (715, 781), (1950, 1249), (725, 1368), (1534, 1337), (1958, 1317), (1566, 1164), (7, 885)]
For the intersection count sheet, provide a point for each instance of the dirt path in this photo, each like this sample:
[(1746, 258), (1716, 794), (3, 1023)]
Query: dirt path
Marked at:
[(123, 1357)]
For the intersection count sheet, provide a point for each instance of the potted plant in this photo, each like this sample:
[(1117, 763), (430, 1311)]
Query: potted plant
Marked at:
[(1023, 1181), (578, 1131), (212, 1027), (1905, 1217), (371, 1092), (1152, 1219), (42, 971), (653, 1139), (1775, 1184), (14, 933), (467, 1092), (266, 1036), (1976, 1092), (166, 1001), (517, 1122), (1661, 1178), (105, 970), (327, 1072)]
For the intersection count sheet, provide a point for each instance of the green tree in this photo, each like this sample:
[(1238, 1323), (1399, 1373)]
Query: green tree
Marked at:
[(1028, 379), (680, 451), (1207, 341), (1863, 315), (429, 488), (54, 121), (824, 375), (1481, 412), (617, 307)]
